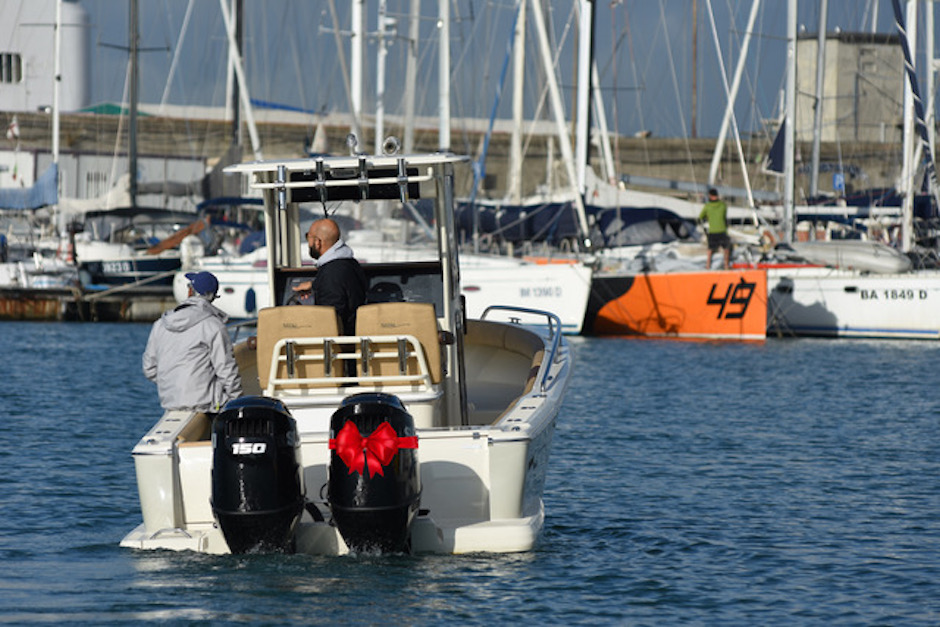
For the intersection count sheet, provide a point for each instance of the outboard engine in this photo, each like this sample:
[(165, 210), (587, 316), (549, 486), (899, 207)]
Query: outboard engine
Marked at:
[(257, 478), (374, 482)]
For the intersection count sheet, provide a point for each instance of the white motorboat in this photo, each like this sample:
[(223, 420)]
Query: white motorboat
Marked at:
[(427, 431)]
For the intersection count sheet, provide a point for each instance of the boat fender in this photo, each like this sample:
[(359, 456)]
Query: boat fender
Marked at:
[(767, 240), (251, 302), (66, 253)]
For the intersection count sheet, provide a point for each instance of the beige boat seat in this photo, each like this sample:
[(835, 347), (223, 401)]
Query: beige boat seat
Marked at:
[(402, 318), (297, 321)]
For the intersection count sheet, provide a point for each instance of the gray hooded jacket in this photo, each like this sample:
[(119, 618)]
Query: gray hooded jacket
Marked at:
[(189, 356)]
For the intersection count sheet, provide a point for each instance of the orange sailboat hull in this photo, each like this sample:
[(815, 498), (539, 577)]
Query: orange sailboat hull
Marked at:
[(717, 304)]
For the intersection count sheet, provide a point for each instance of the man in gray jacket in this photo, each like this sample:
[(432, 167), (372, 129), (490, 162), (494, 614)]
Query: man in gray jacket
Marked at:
[(189, 353)]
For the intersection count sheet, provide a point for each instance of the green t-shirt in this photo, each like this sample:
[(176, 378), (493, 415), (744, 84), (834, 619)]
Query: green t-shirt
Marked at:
[(715, 213)]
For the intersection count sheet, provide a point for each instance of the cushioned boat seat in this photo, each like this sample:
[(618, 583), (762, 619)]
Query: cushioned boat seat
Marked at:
[(298, 321), (416, 319)]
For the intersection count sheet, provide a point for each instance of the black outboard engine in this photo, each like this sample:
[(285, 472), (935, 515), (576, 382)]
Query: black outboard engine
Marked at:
[(374, 482), (257, 478)]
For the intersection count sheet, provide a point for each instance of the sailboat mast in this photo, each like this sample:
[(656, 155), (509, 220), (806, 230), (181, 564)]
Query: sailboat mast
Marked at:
[(583, 115), (694, 67), (411, 73), (244, 97), (134, 36), (443, 68), (356, 54), (913, 101), (732, 93), (56, 80), (789, 121), (236, 109), (514, 186), (381, 57), (931, 79), (559, 113), (820, 86)]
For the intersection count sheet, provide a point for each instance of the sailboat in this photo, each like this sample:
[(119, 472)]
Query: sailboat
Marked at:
[(848, 297), (657, 285), (109, 262)]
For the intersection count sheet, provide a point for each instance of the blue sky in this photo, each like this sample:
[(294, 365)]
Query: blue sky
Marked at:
[(643, 50)]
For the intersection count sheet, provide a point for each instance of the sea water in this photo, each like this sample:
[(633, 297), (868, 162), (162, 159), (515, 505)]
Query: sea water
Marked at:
[(789, 482)]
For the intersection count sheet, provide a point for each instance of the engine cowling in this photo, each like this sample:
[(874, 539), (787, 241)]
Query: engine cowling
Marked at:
[(257, 478), (374, 479)]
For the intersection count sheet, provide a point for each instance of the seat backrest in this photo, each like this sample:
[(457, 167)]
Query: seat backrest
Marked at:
[(298, 321), (385, 292), (416, 319)]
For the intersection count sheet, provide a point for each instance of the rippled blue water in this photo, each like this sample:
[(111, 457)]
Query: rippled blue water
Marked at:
[(795, 482)]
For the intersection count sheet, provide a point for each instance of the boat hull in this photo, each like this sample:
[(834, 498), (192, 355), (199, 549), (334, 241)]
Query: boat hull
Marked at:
[(482, 482), (154, 271), (826, 302), (482, 490), (711, 305)]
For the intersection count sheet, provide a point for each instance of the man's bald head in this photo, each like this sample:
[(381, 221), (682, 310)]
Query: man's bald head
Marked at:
[(321, 235)]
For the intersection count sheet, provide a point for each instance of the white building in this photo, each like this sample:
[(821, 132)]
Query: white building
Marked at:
[(862, 91), (27, 59)]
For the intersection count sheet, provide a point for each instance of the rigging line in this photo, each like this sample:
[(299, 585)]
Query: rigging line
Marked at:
[(344, 70), (295, 57), (614, 108), (266, 51), (117, 138), (755, 116), (543, 96), (675, 86), (176, 55), (479, 166), (466, 40), (755, 113), (425, 56), (636, 79), (426, 49), (724, 81)]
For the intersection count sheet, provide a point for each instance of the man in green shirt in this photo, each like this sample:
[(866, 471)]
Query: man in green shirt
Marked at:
[(715, 213)]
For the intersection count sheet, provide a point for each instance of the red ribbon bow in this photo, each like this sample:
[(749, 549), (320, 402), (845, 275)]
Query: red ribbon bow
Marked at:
[(381, 447)]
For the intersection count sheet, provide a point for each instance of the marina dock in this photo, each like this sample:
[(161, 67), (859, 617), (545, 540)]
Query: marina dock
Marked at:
[(138, 303)]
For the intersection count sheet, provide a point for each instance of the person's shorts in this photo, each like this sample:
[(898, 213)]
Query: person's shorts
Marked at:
[(719, 240)]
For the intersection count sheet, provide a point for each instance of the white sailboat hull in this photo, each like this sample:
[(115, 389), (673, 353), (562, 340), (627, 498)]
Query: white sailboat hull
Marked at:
[(816, 301)]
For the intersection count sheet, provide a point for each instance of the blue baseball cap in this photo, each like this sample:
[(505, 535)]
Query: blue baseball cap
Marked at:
[(203, 282)]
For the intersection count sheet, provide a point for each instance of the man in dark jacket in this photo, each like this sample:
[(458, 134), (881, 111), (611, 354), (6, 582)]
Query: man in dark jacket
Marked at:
[(340, 281)]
